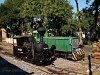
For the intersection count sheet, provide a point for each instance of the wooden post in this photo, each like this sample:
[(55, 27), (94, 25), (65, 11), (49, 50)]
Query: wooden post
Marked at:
[(90, 71)]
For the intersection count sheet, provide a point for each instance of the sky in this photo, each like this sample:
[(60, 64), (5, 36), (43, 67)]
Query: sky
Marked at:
[(1, 1), (82, 4)]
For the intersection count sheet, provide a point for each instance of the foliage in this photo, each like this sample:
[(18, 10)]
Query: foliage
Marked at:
[(10, 14), (93, 13), (55, 13)]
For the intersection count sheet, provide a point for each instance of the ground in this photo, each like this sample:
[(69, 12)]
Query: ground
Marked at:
[(59, 67)]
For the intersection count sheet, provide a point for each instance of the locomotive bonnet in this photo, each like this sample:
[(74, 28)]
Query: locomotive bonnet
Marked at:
[(43, 54)]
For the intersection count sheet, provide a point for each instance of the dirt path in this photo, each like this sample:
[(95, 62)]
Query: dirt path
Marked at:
[(59, 67)]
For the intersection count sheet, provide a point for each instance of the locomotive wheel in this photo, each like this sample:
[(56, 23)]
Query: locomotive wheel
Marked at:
[(15, 51), (30, 55), (38, 59), (38, 55), (53, 47), (32, 50)]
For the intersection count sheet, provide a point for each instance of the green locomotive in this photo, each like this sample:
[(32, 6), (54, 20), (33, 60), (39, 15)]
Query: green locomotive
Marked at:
[(67, 47)]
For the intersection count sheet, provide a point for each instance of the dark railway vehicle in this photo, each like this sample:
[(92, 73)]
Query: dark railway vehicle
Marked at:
[(66, 47), (28, 49)]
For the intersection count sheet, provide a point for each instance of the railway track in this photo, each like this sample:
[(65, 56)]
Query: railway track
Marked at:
[(54, 69), (49, 70), (63, 71), (94, 62)]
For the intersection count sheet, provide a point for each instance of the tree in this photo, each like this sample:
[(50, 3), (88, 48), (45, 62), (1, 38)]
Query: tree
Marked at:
[(80, 28), (95, 11), (10, 14), (56, 14), (59, 15)]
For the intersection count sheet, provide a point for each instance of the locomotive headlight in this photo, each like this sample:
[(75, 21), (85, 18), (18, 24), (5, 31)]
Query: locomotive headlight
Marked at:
[(45, 48), (19, 49), (21, 52)]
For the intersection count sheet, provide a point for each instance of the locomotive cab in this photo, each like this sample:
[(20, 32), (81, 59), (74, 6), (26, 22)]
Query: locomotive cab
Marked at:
[(22, 47)]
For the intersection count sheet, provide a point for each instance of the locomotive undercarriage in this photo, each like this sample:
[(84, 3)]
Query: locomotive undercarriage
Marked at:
[(40, 54)]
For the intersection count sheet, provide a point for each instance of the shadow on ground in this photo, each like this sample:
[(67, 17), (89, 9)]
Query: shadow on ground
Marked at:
[(7, 68)]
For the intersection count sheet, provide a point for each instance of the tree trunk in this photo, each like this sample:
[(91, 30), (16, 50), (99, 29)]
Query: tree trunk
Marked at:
[(22, 29), (96, 14), (80, 29), (22, 25)]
